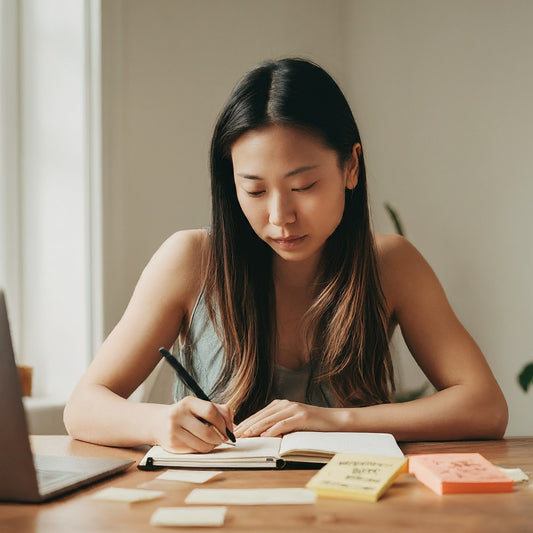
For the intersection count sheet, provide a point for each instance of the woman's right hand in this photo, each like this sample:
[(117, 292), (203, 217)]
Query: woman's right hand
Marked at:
[(193, 426)]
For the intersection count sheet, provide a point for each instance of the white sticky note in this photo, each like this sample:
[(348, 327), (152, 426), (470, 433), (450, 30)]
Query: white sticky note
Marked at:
[(251, 496), (516, 474), (127, 495), (188, 516), (191, 476)]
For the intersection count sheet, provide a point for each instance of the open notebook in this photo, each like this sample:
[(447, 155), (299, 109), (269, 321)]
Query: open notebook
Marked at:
[(25, 477), (300, 447)]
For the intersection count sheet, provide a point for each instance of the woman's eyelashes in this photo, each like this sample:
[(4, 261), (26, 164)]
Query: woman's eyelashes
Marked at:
[(254, 193), (306, 188), (294, 189)]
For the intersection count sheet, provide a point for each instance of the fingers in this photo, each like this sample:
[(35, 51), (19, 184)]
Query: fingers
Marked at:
[(227, 412), (250, 426), (196, 425), (277, 418), (192, 437), (217, 415)]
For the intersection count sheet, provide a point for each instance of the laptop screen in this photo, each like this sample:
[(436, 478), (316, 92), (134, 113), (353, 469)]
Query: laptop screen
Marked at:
[(17, 471), (18, 476)]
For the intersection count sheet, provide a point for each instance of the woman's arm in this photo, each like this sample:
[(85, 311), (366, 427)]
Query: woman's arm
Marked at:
[(99, 411), (468, 403)]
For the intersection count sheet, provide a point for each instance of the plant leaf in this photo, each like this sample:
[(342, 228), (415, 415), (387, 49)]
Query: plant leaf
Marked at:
[(525, 378), (395, 219)]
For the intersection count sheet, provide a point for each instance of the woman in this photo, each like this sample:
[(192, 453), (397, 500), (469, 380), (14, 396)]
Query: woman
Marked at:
[(285, 308)]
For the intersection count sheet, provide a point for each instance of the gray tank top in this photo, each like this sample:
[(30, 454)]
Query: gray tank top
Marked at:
[(204, 349)]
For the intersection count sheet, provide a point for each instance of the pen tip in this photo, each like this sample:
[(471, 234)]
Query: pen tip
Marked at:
[(231, 435)]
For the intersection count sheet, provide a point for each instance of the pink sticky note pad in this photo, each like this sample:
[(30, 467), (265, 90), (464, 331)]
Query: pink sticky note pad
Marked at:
[(454, 473)]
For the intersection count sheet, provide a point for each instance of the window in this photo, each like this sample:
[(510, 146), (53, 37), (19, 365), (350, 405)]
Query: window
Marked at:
[(50, 172)]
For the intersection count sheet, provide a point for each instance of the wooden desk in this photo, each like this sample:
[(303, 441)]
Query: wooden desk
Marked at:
[(407, 506)]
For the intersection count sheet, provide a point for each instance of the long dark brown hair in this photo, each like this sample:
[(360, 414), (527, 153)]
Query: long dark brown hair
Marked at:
[(346, 327)]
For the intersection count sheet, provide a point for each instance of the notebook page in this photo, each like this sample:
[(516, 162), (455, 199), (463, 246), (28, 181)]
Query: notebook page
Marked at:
[(252, 447), (339, 442)]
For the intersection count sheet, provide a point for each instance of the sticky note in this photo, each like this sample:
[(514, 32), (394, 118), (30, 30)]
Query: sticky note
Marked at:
[(357, 476), (516, 474), (454, 473), (190, 476), (251, 496), (127, 495), (188, 516)]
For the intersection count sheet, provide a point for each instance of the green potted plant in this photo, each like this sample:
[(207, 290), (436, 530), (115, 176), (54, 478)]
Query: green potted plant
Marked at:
[(525, 378)]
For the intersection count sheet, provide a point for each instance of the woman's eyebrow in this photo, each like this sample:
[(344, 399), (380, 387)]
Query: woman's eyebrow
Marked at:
[(298, 170)]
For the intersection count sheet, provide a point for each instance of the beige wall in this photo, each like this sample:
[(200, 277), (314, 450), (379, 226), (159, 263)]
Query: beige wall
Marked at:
[(442, 94), (168, 67)]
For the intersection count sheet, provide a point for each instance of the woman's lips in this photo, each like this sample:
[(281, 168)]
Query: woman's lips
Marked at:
[(289, 242)]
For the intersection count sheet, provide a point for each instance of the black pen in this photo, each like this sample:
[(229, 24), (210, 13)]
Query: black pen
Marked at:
[(189, 381)]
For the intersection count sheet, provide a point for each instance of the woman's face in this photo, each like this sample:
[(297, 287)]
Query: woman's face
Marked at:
[(291, 188)]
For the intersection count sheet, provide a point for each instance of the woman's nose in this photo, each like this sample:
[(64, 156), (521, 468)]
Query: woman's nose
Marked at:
[(282, 211)]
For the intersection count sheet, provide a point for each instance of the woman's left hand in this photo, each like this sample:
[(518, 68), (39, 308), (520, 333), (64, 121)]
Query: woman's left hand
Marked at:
[(283, 416)]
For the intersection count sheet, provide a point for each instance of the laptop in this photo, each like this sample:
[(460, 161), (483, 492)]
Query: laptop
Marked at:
[(25, 477)]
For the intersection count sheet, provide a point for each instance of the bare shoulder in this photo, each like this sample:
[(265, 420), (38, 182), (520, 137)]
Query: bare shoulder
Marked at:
[(402, 268), (393, 248), (394, 253), (185, 247), (175, 272)]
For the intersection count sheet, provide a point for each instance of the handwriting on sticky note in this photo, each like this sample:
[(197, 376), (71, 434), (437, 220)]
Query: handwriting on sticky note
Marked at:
[(251, 496), (127, 495), (189, 476), (188, 516), (357, 476)]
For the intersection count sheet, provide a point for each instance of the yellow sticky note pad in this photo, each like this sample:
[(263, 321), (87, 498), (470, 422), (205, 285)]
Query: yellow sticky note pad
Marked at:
[(357, 476)]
